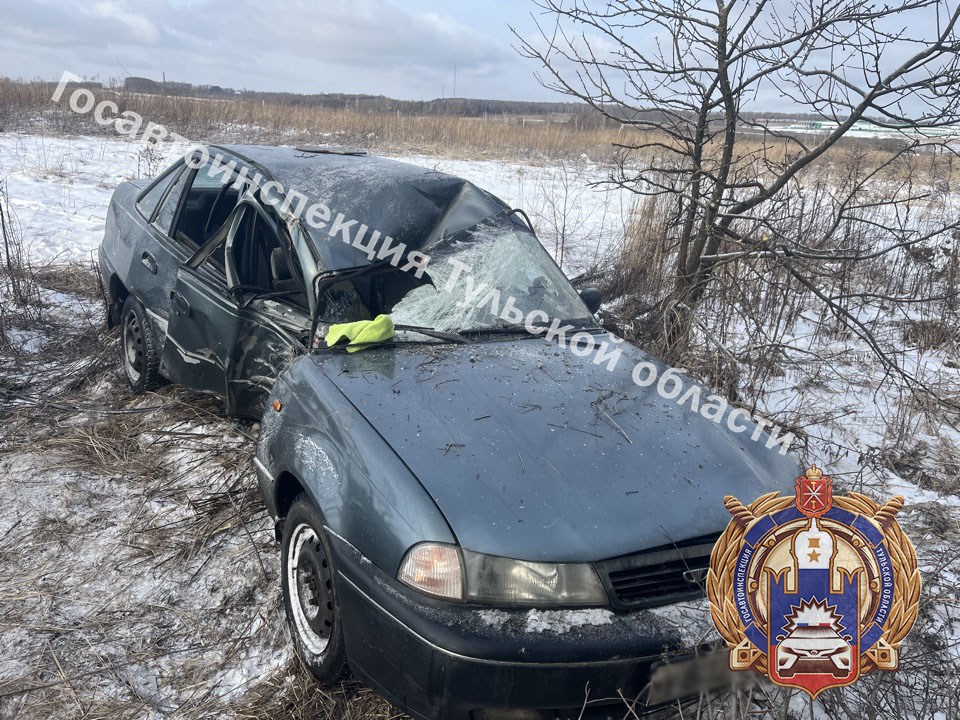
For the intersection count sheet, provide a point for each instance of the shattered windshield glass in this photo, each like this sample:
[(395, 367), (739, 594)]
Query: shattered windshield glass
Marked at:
[(475, 274)]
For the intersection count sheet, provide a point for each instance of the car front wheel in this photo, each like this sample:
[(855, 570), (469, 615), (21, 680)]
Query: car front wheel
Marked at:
[(139, 348), (309, 593)]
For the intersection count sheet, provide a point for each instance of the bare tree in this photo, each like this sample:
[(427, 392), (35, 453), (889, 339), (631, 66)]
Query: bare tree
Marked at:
[(682, 77)]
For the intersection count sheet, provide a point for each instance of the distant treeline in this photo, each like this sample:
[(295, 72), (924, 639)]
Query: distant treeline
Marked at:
[(464, 107), (467, 107), (575, 113)]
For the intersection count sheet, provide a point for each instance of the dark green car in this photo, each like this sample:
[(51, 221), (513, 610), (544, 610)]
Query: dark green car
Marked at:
[(480, 515)]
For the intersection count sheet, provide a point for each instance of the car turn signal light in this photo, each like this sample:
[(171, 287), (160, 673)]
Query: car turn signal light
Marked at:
[(433, 569)]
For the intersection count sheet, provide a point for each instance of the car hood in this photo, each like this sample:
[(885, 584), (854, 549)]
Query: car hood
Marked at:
[(533, 453)]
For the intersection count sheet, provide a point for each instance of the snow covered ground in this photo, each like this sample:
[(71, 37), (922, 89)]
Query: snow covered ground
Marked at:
[(123, 593), (136, 561), (59, 189)]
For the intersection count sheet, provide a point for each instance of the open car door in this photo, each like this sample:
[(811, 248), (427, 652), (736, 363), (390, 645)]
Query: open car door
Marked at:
[(204, 323), (232, 338)]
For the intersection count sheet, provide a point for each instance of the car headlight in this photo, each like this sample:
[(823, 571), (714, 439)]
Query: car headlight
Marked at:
[(487, 579), (502, 581)]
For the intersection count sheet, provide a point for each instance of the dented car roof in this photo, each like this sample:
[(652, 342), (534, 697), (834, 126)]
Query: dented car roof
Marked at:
[(406, 203)]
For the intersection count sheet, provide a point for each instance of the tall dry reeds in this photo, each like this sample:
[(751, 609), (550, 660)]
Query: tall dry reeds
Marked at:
[(28, 106), (237, 119)]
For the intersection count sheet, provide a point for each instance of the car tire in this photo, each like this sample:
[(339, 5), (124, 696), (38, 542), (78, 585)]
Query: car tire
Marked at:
[(309, 593), (139, 347)]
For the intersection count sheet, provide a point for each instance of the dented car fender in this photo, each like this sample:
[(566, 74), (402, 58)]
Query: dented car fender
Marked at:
[(312, 433)]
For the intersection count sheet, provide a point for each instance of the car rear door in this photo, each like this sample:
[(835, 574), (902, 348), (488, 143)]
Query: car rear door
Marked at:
[(223, 338), (202, 330), (203, 316)]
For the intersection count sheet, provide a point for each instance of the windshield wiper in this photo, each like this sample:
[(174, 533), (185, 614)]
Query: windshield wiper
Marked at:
[(505, 328), (430, 332)]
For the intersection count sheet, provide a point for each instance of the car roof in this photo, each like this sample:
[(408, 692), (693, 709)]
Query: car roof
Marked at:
[(408, 203)]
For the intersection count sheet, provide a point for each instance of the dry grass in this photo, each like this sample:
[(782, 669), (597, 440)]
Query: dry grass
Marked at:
[(138, 569), (29, 106), (761, 335), (240, 120)]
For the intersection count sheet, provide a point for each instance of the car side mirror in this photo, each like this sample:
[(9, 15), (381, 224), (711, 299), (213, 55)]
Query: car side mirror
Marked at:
[(592, 298)]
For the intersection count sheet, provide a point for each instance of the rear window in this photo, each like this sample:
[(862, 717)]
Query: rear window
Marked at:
[(169, 208), (148, 203)]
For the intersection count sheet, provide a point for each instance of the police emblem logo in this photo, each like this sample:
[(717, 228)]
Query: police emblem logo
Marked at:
[(813, 590)]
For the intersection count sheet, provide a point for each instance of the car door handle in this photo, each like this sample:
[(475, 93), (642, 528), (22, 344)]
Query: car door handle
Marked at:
[(180, 304), (149, 262)]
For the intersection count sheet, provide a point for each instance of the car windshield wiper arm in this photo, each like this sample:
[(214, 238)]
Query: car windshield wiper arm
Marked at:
[(430, 332), (504, 328), (498, 330)]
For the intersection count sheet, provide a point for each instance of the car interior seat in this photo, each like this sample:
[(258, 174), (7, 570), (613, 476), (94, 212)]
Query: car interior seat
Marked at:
[(281, 279)]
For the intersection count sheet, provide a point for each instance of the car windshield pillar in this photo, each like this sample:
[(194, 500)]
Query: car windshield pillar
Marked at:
[(308, 263)]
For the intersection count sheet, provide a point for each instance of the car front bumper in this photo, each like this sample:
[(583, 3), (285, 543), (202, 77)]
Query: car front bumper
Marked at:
[(437, 659)]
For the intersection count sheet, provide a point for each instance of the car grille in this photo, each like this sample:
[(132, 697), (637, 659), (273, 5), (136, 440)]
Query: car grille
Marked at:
[(656, 577)]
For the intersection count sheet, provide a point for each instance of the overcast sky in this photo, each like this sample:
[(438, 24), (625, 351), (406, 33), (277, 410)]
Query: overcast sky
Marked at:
[(399, 48)]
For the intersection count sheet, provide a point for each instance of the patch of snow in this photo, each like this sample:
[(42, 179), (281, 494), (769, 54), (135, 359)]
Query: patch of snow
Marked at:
[(26, 340), (563, 621), (690, 620), (60, 188), (493, 618)]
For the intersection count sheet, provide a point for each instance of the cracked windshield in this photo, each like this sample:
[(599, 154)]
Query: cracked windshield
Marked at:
[(474, 275)]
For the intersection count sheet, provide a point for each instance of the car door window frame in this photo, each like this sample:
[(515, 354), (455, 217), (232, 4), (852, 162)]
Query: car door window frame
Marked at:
[(210, 272), (226, 234), (232, 171), (166, 232), (170, 176), (249, 201)]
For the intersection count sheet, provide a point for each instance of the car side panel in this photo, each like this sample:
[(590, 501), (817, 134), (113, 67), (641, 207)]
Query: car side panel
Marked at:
[(366, 494), (262, 349), (215, 345), (202, 332), (129, 243)]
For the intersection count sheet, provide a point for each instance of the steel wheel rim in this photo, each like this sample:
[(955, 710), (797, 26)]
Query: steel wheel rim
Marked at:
[(310, 586), (133, 346)]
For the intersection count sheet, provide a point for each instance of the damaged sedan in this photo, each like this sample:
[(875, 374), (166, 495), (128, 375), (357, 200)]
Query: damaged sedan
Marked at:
[(477, 518)]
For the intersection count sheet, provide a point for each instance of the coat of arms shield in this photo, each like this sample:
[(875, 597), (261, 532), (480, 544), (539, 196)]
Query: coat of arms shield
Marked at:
[(813, 590)]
